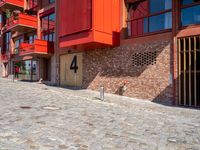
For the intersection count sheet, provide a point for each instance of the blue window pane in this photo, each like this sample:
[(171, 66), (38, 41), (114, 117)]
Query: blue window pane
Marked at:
[(35, 37), (0, 18), (145, 25), (190, 15), (160, 22), (30, 40), (17, 44), (160, 5), (186, 2), (52, 17)]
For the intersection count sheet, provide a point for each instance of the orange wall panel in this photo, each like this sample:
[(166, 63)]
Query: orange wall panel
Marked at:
[(98, 22), (107, 21), (116, 15)]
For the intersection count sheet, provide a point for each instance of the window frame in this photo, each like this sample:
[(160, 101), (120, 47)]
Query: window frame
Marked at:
[(8, 36), (181, 7), (20, 39), (49, 31), (148, 16)]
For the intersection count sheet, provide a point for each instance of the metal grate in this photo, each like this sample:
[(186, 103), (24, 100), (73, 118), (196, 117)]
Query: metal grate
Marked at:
[(144, 59), (189, 71)]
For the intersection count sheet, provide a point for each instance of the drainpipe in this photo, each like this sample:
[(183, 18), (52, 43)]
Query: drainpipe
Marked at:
[(56, 49)]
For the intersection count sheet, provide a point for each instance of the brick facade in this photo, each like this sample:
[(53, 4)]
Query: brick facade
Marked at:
[(111, 67)]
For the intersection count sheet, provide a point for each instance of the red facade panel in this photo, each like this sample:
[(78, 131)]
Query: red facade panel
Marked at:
[(76, 18), (97, 19)]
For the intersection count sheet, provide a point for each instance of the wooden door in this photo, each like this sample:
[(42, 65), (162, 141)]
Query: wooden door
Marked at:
[(71, 70)]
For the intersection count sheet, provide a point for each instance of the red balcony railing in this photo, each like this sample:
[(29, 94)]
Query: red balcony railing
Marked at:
[(21, 21), (38, 47), (10, 3)]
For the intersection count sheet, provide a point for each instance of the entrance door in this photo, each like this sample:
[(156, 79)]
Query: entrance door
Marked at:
[(71, 70), (27, 70), (189, 71)]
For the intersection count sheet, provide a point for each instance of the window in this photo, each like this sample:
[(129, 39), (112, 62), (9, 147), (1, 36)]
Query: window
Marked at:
[(186, 2), (51, 1), (17, 44), (157, 6), (7, 41), (164, 20), (31, 38), (47, 2), (190, 12), (48, 27), (149, 16), (1, 19)]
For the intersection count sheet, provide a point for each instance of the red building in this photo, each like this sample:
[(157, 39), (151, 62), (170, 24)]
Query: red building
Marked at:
[(27, 38), (148, 49)]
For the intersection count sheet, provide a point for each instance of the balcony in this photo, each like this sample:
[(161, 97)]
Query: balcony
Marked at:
[(39, 47), (95, 24), (21, 22), (5, 57), (11, 4)]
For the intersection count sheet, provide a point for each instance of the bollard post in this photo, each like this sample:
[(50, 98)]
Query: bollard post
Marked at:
[(102, 93), (13, 78)]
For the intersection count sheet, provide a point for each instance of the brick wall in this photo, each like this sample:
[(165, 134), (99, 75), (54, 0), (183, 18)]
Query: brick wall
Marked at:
[(111, 67)]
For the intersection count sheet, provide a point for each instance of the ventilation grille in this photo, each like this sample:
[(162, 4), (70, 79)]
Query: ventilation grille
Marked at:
[(144, 59)]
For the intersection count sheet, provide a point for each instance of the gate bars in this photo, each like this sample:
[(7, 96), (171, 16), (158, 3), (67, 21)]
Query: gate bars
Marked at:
[(188, 48)]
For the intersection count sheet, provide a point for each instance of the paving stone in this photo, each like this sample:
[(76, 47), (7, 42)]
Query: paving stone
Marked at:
[(74, 120)]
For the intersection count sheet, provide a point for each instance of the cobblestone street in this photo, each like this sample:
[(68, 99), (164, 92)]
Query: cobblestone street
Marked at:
[(38, 117)]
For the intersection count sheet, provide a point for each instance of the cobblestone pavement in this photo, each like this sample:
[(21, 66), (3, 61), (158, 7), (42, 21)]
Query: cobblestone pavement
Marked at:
[(30, 120)]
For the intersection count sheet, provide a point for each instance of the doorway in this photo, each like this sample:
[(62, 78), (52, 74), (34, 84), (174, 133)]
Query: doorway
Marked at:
[(71, 70), (26, 70), (189, 71)]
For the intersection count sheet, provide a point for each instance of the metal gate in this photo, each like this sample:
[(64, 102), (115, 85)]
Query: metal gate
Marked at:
[(189, 71)]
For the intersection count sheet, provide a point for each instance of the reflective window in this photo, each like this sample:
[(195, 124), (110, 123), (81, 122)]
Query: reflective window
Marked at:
[(51, 1), (186, 2), (7, 41), (48, 27), (149, 16), (160, 5), (17, 44), (190, 14), (165, 22), (27, 70), (31, 38)]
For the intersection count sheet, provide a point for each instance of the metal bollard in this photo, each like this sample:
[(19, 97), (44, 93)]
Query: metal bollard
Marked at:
[(102, 93), (13, 78)]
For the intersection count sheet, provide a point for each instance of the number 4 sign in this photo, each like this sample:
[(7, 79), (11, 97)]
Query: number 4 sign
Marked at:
[(73, 65)]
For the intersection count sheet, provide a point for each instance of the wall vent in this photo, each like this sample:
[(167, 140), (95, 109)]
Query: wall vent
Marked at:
[(144, 59)]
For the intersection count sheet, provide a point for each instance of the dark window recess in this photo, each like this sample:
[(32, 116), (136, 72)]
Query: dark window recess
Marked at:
[(144, 59)]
